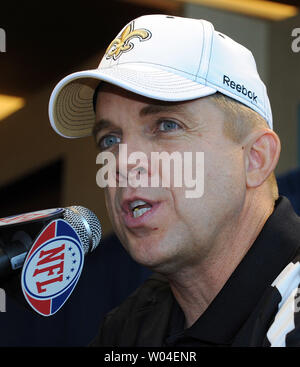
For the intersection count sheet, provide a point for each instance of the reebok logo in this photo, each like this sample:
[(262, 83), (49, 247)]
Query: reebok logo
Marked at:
[(239, 88)]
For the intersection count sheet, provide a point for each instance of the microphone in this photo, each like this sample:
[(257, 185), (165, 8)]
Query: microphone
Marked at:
[(17, 233)]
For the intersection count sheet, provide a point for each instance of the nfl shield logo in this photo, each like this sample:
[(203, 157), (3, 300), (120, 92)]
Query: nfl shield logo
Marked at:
[(52, 268)]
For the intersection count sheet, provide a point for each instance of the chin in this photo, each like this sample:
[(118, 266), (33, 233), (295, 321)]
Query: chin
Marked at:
[(155, 255)]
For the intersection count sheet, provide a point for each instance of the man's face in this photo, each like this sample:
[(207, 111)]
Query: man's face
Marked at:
[(175, 231)]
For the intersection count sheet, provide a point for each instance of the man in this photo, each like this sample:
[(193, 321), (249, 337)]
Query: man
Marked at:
[(226, 261)]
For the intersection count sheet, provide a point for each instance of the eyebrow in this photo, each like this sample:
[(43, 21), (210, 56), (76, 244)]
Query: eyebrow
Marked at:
[(102, 124), (151, 109)]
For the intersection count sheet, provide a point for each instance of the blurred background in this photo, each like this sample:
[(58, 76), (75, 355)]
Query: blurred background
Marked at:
[(45, 41)]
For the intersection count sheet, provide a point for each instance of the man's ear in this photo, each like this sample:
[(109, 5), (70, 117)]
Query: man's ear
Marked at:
[(262, 153)]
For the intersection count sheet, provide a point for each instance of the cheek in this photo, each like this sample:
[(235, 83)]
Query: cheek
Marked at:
[(183, 210), (225, 178)]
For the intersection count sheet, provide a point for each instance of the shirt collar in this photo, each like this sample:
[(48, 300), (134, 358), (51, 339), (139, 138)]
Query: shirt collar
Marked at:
[(274, 247)]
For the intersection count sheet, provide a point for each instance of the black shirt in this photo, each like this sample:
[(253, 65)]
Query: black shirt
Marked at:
[(222, 322), (256, 306)]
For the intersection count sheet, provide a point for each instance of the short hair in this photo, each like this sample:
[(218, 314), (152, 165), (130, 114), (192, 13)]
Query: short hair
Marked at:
[(241, 121)]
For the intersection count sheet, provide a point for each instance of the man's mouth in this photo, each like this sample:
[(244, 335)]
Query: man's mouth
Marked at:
[(139, 211), (139, 207)]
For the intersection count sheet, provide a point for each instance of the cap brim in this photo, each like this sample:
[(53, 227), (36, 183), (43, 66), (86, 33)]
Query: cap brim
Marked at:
[(71, 109)]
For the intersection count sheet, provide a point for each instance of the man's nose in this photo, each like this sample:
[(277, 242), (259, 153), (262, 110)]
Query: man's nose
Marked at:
[(134, 160)]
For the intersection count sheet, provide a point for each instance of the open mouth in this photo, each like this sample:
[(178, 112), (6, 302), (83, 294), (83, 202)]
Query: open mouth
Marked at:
[(139, 207), (140, 212)]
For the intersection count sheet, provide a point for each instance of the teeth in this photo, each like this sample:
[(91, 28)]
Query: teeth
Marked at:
[(138, 212), (137, 203), (139, 207)]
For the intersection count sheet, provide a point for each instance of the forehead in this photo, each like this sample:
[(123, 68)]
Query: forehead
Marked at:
[(113, 102)]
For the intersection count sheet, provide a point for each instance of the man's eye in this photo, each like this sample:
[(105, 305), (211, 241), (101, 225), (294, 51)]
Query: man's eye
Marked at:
[(168, 125), (108, 141)]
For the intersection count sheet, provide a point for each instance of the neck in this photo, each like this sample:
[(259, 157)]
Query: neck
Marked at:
[(195, 287)]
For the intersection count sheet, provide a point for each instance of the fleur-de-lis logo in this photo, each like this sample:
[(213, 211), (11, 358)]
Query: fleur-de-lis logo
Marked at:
[(123, 44)]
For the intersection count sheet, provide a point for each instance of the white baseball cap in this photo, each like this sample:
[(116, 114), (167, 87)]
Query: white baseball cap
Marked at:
[(165, 58)]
